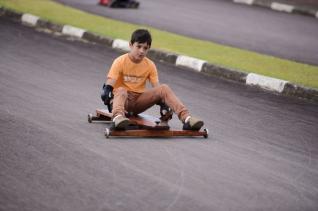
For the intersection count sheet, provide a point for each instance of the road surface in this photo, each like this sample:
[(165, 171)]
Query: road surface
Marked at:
[(262, 153)]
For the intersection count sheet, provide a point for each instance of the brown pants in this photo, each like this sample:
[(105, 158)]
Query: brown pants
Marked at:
[(138, 102)]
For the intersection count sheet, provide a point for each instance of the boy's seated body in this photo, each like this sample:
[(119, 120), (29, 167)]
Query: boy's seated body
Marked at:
[(126, 84)]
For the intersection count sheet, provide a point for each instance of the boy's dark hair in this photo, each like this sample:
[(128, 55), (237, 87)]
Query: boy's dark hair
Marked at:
[(141, 36)]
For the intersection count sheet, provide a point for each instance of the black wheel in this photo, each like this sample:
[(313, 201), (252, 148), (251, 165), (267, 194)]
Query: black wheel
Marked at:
[(136, 5), (206, 135), (90, 118), (107, 132)]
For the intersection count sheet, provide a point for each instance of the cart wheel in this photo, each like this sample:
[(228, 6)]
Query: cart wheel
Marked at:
[(90, 118), (107, 132), (206, 135)]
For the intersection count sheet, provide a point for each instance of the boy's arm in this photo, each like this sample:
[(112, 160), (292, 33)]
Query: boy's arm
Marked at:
[(110, 82), (153, 77), (107, 93), (114, 71)]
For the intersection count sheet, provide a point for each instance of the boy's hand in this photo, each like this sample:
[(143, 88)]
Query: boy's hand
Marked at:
[(107, 94)]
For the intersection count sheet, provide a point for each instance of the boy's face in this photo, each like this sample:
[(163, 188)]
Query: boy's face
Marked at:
[(138, 51)]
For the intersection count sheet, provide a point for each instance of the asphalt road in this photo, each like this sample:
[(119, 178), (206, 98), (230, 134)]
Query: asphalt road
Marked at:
[(283, 35), (262, 153)]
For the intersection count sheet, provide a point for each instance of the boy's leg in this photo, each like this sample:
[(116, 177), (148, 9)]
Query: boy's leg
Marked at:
[(119, 104), (119, 101), (161, 93)]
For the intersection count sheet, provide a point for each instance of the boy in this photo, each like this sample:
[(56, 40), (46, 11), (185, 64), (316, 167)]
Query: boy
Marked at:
[(126, 82)]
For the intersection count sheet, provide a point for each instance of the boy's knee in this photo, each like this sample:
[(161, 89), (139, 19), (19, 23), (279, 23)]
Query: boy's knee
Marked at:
[(164, 87), (164, 90), (121, 91)]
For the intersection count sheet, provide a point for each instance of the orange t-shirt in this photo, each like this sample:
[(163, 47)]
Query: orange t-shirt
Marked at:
[(133, 76)]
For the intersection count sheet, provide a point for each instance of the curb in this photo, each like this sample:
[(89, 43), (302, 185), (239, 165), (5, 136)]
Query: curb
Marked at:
[(251, 79), (280, 7)]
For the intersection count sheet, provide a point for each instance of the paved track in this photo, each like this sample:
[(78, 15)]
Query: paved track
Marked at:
[(262, 153), (258, 29)]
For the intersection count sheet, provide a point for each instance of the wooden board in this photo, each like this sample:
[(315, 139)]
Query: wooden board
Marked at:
[(155, 133), (101, 115), (103, 112), (141, 121), (143, 125), (149, 122)]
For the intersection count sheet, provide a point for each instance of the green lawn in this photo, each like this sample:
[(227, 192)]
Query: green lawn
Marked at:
[(247, 61)]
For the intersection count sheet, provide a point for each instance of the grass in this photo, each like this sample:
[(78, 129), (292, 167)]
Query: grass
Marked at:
[(243, 60)]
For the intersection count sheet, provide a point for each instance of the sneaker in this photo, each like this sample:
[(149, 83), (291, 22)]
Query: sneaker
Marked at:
[(192, 123), (120, 122)]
